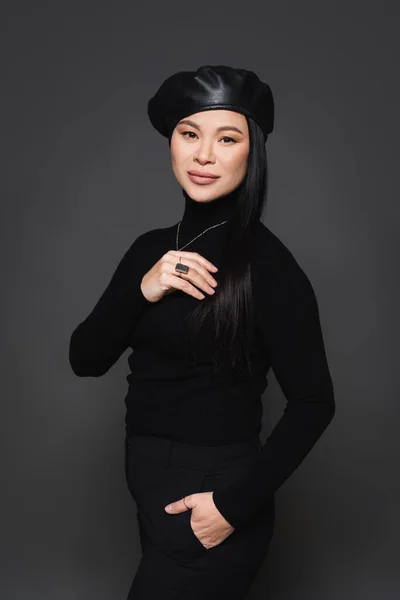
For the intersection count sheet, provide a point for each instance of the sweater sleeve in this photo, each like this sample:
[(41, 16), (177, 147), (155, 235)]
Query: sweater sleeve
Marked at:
[(288, 316), (99, 340)]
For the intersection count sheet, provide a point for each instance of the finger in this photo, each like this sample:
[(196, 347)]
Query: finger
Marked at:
[(193, 276), (196, 274), (174, 281), (179, 506), (195, 265), (194, 255)]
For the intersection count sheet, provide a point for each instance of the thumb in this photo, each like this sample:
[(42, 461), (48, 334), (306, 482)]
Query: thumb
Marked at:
[(182, 505)]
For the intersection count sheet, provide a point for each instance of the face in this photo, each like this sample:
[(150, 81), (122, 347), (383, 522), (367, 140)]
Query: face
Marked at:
[(212, 142)]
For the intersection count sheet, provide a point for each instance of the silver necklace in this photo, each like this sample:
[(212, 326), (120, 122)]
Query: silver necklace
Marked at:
[(195, 238)]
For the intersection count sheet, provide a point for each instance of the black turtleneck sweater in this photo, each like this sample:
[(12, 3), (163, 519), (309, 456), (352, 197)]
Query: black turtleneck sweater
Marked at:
[(172, 396)]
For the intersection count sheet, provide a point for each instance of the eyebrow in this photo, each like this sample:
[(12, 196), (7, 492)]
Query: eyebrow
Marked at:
[(222, 128)]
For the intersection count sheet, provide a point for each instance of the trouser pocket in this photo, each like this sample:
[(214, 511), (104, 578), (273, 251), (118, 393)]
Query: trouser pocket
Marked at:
[(153, 486)]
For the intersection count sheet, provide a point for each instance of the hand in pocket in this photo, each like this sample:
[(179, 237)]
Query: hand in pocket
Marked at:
[(207, 523)]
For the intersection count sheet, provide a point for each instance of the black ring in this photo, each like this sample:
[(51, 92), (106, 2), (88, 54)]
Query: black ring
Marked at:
[(180, 268)]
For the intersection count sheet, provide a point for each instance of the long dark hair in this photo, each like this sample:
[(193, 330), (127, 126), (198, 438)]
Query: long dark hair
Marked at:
[(232, 307)]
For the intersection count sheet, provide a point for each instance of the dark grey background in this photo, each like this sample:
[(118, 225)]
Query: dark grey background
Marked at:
[(84, 174)]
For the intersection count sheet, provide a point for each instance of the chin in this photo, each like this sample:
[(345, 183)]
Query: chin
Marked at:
[(202, 193)]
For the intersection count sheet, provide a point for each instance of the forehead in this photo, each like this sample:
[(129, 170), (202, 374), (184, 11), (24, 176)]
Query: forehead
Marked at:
[(215, 118)]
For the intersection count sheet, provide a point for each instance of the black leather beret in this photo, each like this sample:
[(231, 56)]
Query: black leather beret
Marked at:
[(219, 87)]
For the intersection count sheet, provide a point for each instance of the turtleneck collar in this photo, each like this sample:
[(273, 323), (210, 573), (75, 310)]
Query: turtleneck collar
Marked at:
[(199, 215)]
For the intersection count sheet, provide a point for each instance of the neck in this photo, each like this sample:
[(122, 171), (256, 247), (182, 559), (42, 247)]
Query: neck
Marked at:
[(198, 215)]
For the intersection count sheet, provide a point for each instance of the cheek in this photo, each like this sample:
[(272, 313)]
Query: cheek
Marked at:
[(242, 159), (179, 162), (179, 154), (237, 162)]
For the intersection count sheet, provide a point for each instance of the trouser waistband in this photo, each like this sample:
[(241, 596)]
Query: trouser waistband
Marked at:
[(192, 456)]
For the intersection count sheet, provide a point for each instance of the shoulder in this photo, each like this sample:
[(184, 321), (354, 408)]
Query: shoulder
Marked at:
[(275, 263), (152, 238), (145, 249), (152, 234), (271, 253)]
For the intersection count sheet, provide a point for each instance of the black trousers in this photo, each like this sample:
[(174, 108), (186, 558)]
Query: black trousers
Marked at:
[(175, 565)]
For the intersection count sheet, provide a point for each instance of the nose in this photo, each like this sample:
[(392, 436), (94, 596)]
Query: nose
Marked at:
[(204, 153)]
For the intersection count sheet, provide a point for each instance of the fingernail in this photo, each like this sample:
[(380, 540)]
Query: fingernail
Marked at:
[(169, 508)]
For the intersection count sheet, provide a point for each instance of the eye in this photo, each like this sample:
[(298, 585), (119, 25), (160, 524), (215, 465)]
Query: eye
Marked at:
[(191, 135), (190, 132)]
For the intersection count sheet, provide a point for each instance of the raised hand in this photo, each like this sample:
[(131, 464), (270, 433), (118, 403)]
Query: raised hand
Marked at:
[(162, 278)]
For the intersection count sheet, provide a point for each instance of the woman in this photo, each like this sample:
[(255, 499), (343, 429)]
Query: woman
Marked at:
[(208, 306)]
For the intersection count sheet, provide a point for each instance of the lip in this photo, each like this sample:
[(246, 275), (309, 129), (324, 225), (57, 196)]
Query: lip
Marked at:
[(203, 174), (202, 179)]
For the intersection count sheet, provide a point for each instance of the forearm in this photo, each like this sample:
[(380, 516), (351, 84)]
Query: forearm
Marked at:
[(240, 495), (99, 340)]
